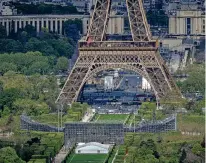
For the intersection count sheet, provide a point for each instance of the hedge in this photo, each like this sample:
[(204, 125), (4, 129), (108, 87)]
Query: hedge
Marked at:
[(37, 161)]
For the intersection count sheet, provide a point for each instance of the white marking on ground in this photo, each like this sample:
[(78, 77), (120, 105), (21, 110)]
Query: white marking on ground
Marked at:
[(72, 158), (131, 121), (97, 118), (126, 118), (115, 156)]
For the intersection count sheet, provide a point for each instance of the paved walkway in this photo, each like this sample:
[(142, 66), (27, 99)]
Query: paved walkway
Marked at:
[(87, 117), (61, 155), (115, 156)]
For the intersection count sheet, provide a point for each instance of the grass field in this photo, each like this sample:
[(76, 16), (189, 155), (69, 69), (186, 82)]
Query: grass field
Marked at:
[(87, 158), (51, 119), (111, 117), (191, 123)]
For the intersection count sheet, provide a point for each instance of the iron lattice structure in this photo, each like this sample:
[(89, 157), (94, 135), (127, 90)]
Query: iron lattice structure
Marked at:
[(28, 124), (94, 132), (112, 132), (139, 55)]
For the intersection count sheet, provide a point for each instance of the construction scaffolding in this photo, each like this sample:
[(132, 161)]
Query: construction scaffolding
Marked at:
[(102, 132), (28, 124), (168, 124), (94, 132)]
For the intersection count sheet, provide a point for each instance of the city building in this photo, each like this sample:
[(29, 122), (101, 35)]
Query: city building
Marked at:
[(92, 148), (53, 2), (5, 9), (186, 18), (54, 23), (108, 82), (145, 84), (81, 5), (150, 4)]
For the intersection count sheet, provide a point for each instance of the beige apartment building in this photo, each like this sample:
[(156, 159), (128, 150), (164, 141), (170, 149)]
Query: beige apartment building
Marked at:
[(187, 22)]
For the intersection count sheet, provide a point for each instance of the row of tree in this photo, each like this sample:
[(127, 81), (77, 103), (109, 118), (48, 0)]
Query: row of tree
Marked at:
[(196, 80), (34, 95), (42, 8), (27, 40), (157, 18), (31, 63), (38, 147), (144, 148)]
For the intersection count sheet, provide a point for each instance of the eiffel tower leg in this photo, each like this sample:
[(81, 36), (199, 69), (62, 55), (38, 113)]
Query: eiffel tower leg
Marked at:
[(146, 63), (138, 21), (158, 75), (76, 80)]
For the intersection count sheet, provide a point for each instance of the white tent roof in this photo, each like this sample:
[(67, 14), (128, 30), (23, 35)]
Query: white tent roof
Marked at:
[(105, 146)]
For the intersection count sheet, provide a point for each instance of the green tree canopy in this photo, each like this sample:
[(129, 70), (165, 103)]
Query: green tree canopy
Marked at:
[(2, 32), (5, 66), (8, 155), (196, 80), (30, 107), (43, 8), (62, 64)]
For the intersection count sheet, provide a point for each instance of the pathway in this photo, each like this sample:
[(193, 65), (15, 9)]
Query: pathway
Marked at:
[(115, 156), (132, 121), (61, 155), (97, 118), (87, 117)]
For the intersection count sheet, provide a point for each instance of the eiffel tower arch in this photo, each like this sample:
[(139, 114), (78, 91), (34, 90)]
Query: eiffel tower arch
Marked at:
[(96, 53)]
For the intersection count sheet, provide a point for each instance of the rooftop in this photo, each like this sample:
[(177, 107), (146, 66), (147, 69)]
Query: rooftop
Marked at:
[(105, 146)]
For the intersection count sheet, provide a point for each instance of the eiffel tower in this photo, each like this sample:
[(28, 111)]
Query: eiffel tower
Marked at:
[(97, 54)]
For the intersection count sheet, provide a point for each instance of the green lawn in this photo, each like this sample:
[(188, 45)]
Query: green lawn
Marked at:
[(111, 117), (87, 158), (191, 123), (51, 119)]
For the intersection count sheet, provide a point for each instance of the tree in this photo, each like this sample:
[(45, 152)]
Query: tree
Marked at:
[(62, 64), (137, 140), (62, 47), (183, 156), (10, 45), (2, 32), (6, 111), (171, 101), (31, 107), (30, 30), (197, 149), (8, 155), (37, 45), (16, 81), (72, 28), (128, 140), (8, 96), (5, 66), (44, 34), (198, 106), (36, 60), (157, 18), (44, 9), (196, 79), (41, 67), (203, 142)]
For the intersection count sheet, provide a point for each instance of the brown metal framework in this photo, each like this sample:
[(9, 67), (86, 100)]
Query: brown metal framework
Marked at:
[(138, 22), (100, 19), (139, 55)]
